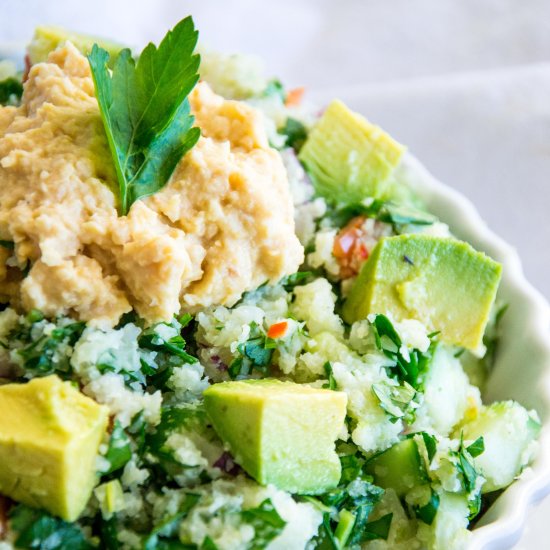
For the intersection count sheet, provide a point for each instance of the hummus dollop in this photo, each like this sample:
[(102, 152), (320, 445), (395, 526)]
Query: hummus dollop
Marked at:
[(221, 226)]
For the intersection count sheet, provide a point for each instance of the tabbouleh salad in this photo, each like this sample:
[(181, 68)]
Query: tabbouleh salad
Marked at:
[(247, 336)]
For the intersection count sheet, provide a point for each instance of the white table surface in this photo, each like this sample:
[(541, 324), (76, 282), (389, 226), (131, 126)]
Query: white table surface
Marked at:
[(464, 83)]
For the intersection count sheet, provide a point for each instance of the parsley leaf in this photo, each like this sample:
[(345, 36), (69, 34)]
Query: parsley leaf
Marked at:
[(384, 211), (185, 418), (274, 88), (171, 350), (477, 447), (399, 401), (428, 512), (290, 282), (430, 443), (469, 474), (409, 367), (145, 110), (266, 521), (44, 350), (377, 529), (107, 532), (331, 384), (119, 451), (208, 544), (295, 133), (254, 354), (10, 245), (37, 529), (168, 526), (11, 91), (352, 502)]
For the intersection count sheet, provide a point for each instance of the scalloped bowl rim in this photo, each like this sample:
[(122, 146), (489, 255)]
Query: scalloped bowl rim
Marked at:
[(503, 524)]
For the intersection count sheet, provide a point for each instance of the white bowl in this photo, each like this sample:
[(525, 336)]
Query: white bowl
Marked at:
[(522, 367)]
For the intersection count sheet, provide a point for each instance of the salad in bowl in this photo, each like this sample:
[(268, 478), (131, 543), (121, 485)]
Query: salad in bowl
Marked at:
[(228, 319)]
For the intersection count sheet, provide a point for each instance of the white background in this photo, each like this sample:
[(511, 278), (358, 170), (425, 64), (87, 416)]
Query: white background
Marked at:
[(464, 83)]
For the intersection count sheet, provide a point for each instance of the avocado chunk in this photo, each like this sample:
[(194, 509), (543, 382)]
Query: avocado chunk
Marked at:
[(347, 157), (281, 433), (48, 38), (399, 468), (440, 281), (49, 439), (508, 432)]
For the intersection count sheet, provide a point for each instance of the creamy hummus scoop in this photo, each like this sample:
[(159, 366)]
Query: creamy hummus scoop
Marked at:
[(221, 226)]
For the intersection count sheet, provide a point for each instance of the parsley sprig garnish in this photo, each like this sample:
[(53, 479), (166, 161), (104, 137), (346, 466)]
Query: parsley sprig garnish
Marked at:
[(145, 110)]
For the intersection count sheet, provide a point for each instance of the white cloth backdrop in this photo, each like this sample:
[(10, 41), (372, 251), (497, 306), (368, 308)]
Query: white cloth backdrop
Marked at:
[(464, 83)]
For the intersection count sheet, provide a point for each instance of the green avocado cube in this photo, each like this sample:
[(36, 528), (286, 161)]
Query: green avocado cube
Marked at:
[(49, 439), (281, 433), (399, 468), (347, 157), (48, 38), (442, 282)]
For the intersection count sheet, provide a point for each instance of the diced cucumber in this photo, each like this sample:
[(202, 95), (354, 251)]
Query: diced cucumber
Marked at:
[(508, 432), (448, 396), (110, 497), (399, 468)]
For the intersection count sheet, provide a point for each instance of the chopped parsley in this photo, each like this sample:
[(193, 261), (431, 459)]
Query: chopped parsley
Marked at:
[(331, 383), (10, 245), (266, 521), (37, 529), (274, 88), (430, 443), (254, 355), (290, 282), (295, 133), (164, 534), (428, 512), (119, 451), (42, 348), (381, 210), (348, 506), (399, 401), (170, 347), (184, 419), (11, 90), (409, 366), (468, 472)]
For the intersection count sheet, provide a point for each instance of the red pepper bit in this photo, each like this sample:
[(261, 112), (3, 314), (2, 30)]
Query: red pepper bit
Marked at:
[(294, 97), (277, 330)]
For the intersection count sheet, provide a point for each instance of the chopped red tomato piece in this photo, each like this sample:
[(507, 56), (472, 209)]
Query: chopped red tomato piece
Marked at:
[(349, 248), (277, 330)]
